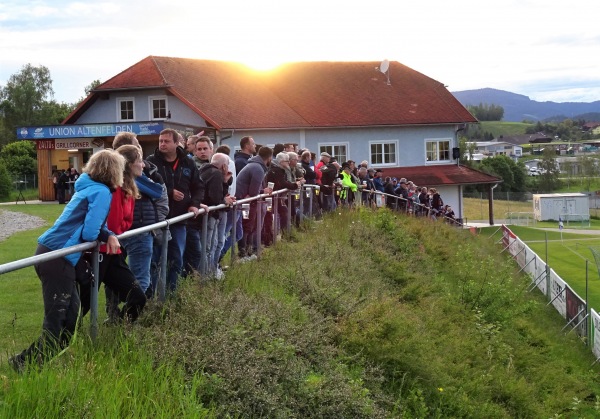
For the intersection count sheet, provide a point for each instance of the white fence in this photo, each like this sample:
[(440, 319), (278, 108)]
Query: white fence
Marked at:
[(565, 300)]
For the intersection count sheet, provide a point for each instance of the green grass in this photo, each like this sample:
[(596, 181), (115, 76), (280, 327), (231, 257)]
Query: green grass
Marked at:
[(28, 194), (567, 255), (504, 128), (368, 315)]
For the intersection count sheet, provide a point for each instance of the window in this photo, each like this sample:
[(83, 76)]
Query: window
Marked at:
[(158, 107), (437, 150), (339, 151), (125, 109), (384, 153)]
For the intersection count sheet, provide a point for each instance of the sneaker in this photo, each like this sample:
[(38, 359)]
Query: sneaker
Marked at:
[(219, 275), (247, 259), (17, 363)]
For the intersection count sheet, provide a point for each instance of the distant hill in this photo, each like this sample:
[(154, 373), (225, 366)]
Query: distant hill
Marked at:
[(519, 107)]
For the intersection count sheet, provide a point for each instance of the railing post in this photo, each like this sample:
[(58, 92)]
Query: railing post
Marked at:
[(233, 248), (204, 245), (94, 293), (289, 210), (162, 277), (274, 223), (259, 224)]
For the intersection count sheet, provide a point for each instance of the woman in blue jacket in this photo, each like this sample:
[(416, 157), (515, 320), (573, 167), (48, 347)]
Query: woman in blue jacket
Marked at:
[(83, 220)]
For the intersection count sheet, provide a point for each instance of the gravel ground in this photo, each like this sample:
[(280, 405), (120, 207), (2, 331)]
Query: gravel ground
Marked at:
[(13, 222)]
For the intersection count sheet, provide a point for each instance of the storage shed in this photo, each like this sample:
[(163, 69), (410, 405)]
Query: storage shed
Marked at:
[(568, 206)]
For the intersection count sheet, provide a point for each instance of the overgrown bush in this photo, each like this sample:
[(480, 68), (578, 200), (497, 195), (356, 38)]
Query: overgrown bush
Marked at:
[(5, 182)]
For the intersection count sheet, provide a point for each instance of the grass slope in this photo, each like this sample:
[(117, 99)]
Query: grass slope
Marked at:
[(367, 315)]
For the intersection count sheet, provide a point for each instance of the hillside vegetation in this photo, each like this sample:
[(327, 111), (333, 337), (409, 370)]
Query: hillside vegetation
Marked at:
[(499, 128), (367, 314)]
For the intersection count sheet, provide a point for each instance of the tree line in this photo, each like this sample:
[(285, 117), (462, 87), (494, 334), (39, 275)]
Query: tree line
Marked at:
[(27, 99)]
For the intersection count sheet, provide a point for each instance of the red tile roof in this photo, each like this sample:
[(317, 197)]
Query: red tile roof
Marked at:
[(437, 175), (295, 95)]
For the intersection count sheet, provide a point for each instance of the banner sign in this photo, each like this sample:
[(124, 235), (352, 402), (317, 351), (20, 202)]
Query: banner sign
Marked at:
[(87, 131), (78, 143), (576, 311), (595, 333), (557, 293), (44, 145), (540, 275)]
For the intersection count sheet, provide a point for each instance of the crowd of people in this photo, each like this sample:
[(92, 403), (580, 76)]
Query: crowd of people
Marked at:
[(119, 190)]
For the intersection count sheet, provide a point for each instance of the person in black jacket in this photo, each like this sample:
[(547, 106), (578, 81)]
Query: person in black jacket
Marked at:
[(216, 179), (63, 185), (151, 207), (184, 191), (277, 175)]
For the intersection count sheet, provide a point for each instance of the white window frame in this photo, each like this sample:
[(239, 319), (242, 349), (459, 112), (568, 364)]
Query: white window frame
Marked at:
[(395, 163), (437, 141), (333, 145), (121, 100), (151, 100)]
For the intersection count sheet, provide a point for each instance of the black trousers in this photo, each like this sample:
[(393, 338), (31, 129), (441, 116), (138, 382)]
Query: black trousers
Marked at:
[(121, 286), (61, 308)]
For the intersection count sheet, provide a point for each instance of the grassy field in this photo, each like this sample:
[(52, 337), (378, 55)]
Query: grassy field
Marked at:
[(568, 254), (477, 209), (504, 128), (28, 194), (369, 315)]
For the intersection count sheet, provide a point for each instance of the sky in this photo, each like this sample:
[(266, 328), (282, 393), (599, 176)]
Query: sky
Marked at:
[(546, 50)]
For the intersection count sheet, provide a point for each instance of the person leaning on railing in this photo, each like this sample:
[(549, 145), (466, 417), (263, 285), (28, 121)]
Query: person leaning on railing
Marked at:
[(82, 220)]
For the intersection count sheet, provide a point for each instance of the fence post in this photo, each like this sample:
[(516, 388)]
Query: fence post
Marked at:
[(289, 210), (204, 245), (94, 293), (162, 277), (259, 224), (310, 201), (233, 233), (274, 214)]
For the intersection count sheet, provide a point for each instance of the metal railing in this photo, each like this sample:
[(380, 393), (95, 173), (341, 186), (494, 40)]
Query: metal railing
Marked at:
[(306, 193), (164, 225)]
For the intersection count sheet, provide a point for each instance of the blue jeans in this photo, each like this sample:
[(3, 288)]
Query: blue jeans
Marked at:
[(239, 232), (139, 256), (175, 255), (211, 244), (219, 237), (193, 251)]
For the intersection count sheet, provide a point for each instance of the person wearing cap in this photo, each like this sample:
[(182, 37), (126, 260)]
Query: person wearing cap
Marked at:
[(277, 175), (349, 188), (402, 191), (378, 180), (319, 168), (366, 185)]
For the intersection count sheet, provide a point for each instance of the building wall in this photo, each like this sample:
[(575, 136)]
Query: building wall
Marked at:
[(105, 110), (410, 141)]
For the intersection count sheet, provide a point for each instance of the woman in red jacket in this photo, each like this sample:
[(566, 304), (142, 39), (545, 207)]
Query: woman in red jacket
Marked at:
[(119, 282)]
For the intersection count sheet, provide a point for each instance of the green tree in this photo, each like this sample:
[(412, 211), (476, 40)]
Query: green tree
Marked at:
[(501, 166), (587, 169), (19, 157), (548, 180), (27, 100), (24, 95), (485, 112), (5, 182)]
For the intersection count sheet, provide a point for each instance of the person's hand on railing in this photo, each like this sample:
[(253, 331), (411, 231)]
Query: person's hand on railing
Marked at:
[(195, 210), (229, 200), (268, 191), (112, 245)]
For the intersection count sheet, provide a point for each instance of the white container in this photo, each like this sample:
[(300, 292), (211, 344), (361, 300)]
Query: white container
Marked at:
[(572, 206)]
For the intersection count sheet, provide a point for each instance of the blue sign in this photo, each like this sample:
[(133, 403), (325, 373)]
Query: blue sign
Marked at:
[(87, 131)]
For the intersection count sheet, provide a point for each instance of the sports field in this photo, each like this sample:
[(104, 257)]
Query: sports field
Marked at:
[(567, 255)]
